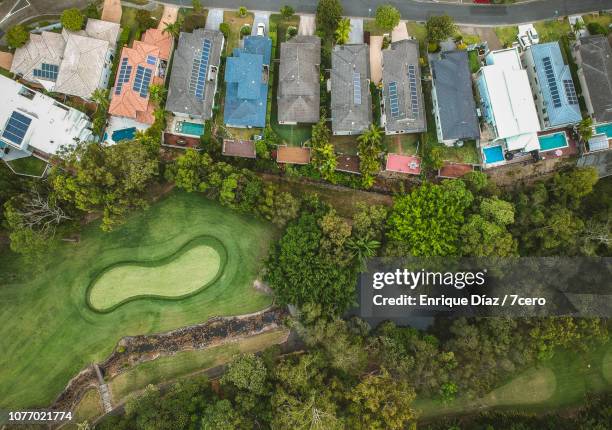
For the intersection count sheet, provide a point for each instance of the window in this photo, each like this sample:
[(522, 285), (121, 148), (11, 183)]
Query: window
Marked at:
[(27, 93)]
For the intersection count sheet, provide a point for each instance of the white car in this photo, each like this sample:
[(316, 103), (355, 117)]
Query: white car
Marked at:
[(261, 29)]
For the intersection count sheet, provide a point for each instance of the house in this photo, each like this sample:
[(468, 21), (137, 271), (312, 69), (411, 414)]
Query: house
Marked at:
[(239, 148), (593, 56), (299, 87), (403, 106), (506, 102), (400, 163), (453, 101), (35, 124), (351, 101), (246, 78), (552, 85), (194, 79), (73, 63), (142, 65)]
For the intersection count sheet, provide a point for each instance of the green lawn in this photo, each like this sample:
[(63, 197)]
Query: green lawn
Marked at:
[(193, 20), (184, 363), (235, 22), (563, 381), (507, 35), (28, 166), (474, 61), (419, 32), (604, 19), (370, 26), (552, 31), (184, 272), (401, 143), (89, 407), (47, 332)]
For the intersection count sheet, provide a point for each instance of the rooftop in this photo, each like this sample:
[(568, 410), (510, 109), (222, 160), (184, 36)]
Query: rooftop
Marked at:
[(293, 155), (348, 163), (453, 85), (195, 67), (399, 163), (402, 90), (44, 48), (596, 63), (298, 87), (239, 148), (351, 102), (454, 170), (555, 81)]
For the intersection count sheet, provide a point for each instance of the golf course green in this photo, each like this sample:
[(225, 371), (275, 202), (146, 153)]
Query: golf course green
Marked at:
[(48, 332), (193, 267)]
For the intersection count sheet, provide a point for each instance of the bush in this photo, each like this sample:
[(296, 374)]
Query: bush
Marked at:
[(245, 30), (124, 37), (242, 12), (17, 36), (292, 32), (225, 29), (596, 28), (287, 11), (72, 19), (387, 17)]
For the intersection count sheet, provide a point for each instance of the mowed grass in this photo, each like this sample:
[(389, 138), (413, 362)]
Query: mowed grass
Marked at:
[(184, 272), (563, 381), (184, 363), (89, 407), (47, 331)]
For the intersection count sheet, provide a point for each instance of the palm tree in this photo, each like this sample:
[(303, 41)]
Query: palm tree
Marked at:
[(157, 93), (585, 129), (361, 249), (100, 96), (173, 28), (343, 31), (373, 135)]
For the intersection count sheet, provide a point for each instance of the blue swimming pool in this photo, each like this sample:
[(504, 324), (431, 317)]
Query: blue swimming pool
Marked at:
[(493, 154), (191, 128), (123, 134), (604, 128), (549, 142)]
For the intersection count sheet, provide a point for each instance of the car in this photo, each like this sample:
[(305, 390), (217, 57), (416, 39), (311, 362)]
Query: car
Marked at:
[(261, 29)]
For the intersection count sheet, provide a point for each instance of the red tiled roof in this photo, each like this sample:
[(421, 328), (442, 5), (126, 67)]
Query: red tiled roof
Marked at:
[(403, 164), (293, 155), (239, 148), (454, 170)]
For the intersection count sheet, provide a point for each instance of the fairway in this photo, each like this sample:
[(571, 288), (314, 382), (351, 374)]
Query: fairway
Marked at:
[(193, 267), (48, 333)]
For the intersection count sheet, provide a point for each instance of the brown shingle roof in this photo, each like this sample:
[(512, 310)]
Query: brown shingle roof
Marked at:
[(293, 155), (454, 170), (348, 163), (239, 148)]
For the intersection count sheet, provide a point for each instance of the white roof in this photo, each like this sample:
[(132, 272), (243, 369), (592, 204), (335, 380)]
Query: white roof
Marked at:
[(46, 47), (52, 124), (510, 97), (103, 30)]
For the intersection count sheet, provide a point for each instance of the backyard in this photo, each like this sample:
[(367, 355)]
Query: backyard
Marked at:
[(48, 332), (31, 166)]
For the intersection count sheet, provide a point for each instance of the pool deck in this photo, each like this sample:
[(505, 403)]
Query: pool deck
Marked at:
[(173, 140), (568, 151), (118, 123)]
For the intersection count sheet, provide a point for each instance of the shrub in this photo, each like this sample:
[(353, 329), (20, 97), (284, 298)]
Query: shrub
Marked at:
[(17, 36), (597, 28), (287, 11), (292, 32), (387, 17), (124, 37), (242, 11), (72, 19), (245, 30)]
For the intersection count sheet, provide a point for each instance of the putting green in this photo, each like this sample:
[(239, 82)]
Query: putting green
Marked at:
[(194, 266)]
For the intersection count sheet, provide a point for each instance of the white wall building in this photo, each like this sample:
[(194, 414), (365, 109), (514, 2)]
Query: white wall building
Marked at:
[(32, 123)]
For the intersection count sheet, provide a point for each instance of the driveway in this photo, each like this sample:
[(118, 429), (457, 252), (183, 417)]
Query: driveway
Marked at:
[(260, 17), (307, 25), (400, 32), (356, 35), (376, 58), (214, 19), (169, 16)]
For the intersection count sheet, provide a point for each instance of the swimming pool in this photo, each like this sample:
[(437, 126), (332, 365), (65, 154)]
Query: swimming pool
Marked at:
[(493, 154), (549, 142), (123, 134), (191, 128), (604, 128)]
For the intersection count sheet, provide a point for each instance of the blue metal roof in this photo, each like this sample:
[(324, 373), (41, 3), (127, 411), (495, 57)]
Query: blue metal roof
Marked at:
[(555, 81), (247, 94)]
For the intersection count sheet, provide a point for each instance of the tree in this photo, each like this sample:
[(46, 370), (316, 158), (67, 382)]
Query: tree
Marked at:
[(157, 93), (440, 28), (173, 28), (329, 13), (596, 28), (72, 19), (426, 222), (585, 129), (370, 148), (362, 248), (17, 36), (387, 17), (220, 415), (111, 179), (144, 20), (197, 5), (100, 96), (242, 11), (287, 11), (432, 159), (323, 155), (343, 30), (247, 372), (224, 28), (482, 238)]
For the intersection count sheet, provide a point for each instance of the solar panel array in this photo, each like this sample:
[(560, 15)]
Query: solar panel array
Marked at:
[(570, 91), (414, 98), (142, 80), (16, 128), (151, 59), (199, 69), (46, 71), (125, 71), (393, 100), (356, 88), (552, 82)]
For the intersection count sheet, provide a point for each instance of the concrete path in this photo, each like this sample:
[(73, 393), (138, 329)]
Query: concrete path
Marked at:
[(214, 19), (260, 17), (356, 35), (376, 58), (168, 17), (400, 32), (104, 391), (307, 25)]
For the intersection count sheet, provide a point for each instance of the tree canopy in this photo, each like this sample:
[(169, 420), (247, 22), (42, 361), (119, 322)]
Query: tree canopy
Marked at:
[(17, 36), (387, 17), (329, 13), (440, 28), (72, 19)]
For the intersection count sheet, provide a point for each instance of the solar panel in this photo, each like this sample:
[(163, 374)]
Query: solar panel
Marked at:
[(356, 88), (570, 91), (412, 82), (151, 59), (16, 128), (552, 82), (142, 80), (393, 99), (125, 71), (46, 71), (199, 69)]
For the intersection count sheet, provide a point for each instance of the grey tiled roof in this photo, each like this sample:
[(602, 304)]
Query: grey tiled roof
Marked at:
[(298, 86), (396, 62), (453, 85), (347, 116), (596, 56), (180, 98)]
